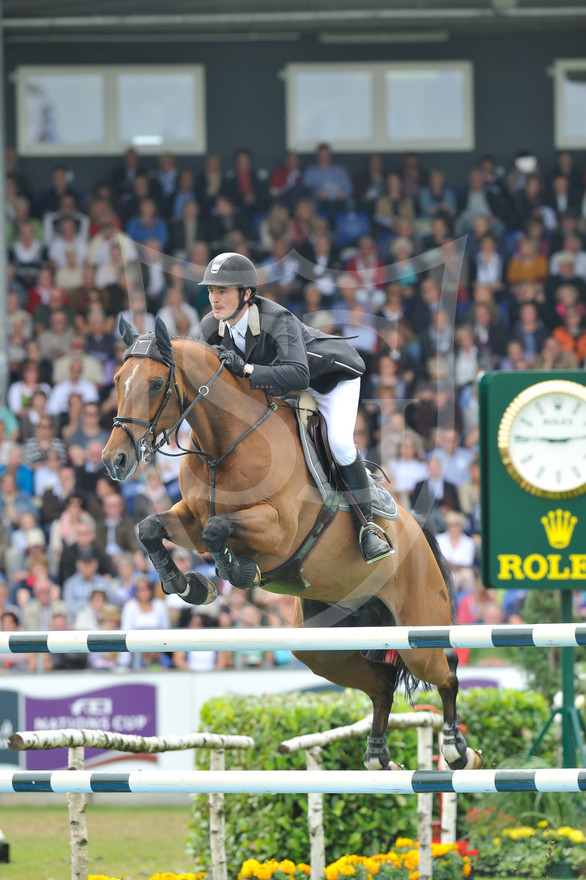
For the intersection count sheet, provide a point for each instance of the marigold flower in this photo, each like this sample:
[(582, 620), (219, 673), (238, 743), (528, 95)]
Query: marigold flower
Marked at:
[(466, 870), (287, 866), (543, 824), (347, 870), (401, 842), (576, 836), (303, 867), (414, 875), (263, 872)]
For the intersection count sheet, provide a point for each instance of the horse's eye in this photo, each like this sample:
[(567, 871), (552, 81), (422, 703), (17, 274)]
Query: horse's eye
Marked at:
[(156, 385)]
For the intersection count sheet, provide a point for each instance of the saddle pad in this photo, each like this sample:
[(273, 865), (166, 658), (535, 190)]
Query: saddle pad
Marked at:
[(383, 504)]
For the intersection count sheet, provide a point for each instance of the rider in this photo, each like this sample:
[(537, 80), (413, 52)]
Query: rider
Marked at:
[(267, 344)]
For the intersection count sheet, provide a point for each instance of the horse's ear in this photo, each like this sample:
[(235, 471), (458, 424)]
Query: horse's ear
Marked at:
[(127, 332), (163, 340)]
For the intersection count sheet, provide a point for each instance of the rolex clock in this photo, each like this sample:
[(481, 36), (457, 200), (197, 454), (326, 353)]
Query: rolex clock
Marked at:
[(542, 439)]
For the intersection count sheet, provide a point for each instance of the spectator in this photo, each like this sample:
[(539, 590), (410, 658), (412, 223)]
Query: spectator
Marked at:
[(459, 550), (124, 175), (60, 186), (208, 184), (571, 334), (144, 610), (174, 305), (38, 613), (196, 661), (92, 370), (186, 229), (67, 211), (286, 181), (147, 225), (530, 330), (407, 469), (329, 183), (553, 357), (89, 467), (434, 496), (58, 402), (244, 186), (90, 428), (9, 663), (67, 242), (21, 392), (78, 588), (115, 531), (88, 617), (83, 544), (60, 662), (456, 460), (393, 205), (527, 264), (436, 199)]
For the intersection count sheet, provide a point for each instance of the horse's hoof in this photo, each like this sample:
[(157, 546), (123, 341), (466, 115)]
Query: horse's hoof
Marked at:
[(393, 766), (247, 574), (375, 763), (199, 590), (475, 759)]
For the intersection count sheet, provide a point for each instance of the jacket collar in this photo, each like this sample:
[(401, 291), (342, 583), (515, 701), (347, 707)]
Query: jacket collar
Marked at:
[(253, 322)]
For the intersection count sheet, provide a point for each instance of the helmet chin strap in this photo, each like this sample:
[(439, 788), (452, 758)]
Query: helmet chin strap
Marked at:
[(241, 304)]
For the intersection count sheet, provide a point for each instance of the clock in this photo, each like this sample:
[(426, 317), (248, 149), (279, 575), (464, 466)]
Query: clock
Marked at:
[(542, 439)]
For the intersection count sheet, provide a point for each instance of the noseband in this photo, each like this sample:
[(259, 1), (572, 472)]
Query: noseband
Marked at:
[(146, 446)]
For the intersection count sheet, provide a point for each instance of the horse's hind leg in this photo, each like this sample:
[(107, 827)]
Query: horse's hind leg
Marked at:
[(350, 669), (438, 667), (176, 525)]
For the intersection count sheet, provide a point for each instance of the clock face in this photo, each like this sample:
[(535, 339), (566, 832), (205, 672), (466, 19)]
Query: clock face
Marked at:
[(542, 439)]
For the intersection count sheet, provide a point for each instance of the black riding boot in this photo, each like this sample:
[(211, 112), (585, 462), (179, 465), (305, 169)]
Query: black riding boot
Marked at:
[(374, 542)]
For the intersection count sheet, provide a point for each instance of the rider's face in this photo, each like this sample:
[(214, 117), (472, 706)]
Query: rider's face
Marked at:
[(224, 302)]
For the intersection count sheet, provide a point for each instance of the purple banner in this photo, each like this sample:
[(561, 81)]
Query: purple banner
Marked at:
[(125, 708)]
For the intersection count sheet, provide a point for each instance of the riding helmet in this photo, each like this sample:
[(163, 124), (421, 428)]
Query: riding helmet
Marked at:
[(230, 270)]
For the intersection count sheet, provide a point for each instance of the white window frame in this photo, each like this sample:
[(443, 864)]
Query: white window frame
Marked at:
[(112, 144), (563, 140), (380, 140)]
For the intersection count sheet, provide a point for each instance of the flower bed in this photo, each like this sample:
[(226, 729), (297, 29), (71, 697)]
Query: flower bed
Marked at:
[(521, 852)]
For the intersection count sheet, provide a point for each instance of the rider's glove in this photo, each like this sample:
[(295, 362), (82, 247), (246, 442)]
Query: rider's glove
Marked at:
[(233, 362)]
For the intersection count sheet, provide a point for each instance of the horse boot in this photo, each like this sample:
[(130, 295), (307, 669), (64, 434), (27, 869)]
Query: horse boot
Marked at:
[(373, 541)]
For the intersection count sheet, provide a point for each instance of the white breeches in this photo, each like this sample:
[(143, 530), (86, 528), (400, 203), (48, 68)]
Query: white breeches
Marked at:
[(339, 407)]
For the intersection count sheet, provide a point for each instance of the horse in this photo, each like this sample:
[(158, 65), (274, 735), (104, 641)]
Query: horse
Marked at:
[(248, 498)]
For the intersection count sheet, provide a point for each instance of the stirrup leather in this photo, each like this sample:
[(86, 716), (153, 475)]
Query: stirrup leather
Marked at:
[(374, 528)]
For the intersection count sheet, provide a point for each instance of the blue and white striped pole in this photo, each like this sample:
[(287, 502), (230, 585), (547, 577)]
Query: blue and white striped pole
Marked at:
[(400, 638), (294, 781)]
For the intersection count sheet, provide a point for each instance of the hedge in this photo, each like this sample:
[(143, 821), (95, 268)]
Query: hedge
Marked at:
[(501, 722)]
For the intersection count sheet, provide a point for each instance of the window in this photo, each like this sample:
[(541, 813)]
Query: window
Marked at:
[(361, 107), (570, 104), (103, 110)]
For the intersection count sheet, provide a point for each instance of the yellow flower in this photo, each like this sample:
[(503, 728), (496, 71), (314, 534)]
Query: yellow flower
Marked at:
[(287, 866), (263, 872), (400, 842), (440, 849), (466, 870), (303, 867), (543, 824), (414, 875), (347, 870), (576, 836)]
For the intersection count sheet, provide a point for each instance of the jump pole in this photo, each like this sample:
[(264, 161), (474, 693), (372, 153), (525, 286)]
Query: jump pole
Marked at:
[(295, 781), (398, 638)]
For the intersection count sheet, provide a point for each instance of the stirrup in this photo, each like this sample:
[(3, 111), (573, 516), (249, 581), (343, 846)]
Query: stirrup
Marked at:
[(374, 528)]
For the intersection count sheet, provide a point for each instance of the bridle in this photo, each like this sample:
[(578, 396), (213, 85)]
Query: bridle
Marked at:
[(147, 446)]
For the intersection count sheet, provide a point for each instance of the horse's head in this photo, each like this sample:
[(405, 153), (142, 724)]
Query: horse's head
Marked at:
[(148, 399)]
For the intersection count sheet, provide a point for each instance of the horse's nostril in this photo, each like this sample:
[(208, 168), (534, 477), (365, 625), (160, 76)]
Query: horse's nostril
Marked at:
[(121, 461)]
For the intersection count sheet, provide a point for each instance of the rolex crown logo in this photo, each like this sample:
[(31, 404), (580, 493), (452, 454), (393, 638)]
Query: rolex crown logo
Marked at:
[(559, 527)]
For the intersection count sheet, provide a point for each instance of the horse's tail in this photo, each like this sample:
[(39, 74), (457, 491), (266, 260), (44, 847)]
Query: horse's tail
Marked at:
[(441, 561), (404, 676)]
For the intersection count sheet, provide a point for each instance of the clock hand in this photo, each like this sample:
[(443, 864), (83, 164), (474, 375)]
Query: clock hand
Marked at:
[(550, 439)]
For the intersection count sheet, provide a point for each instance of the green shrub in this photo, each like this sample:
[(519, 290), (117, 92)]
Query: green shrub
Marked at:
[(275, 826)]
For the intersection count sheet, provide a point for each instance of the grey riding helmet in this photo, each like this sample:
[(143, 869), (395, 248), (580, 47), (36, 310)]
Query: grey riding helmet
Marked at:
[(230, 270)]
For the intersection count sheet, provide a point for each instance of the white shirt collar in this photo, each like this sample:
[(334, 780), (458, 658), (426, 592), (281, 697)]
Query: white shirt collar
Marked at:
[(240, 327)]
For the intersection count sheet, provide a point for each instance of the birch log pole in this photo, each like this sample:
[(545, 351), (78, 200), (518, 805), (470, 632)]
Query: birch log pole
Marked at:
[(424, 803), (449, 800), (216, 804), (77, 821), (315, 819)]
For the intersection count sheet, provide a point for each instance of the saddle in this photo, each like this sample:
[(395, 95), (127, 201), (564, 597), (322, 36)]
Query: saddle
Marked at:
[(321, 463), (287, 578)]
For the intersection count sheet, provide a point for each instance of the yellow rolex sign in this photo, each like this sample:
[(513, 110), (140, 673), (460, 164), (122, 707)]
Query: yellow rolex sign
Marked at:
[(533, 454)]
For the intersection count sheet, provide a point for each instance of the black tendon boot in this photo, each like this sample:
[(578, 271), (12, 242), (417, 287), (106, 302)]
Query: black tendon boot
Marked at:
[(374, 542)]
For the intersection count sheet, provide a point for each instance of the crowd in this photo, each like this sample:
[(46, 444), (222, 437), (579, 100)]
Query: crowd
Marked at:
[(435, 281)]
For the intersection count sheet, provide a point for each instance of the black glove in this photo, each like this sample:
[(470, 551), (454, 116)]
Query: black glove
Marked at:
[(233, 362)]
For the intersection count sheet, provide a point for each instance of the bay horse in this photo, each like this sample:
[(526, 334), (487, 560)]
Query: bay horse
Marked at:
[(247, 496)]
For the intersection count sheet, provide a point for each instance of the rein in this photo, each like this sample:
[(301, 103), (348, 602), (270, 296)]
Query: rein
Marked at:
[(145, 451)]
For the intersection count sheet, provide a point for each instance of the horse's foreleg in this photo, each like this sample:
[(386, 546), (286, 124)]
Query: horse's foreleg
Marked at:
[(256, 528), (176, 525)]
